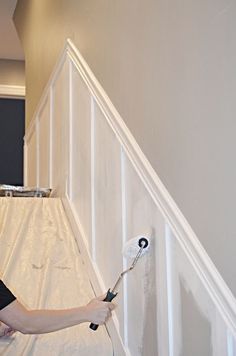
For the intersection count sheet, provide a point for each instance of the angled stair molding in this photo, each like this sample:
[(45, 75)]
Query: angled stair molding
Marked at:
[(177, 248), (205, 268)]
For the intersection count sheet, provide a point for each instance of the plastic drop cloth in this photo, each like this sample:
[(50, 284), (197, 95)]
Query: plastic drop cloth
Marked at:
[(41, 264), (18, 191)]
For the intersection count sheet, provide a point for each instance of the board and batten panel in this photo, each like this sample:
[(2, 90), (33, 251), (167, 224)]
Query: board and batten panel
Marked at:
[(196, 334), (142, 218), (80, 171), (107, 205), (60, 131), (219, 337), (32, 159), (164, 304), (203, 330), (44, 144)]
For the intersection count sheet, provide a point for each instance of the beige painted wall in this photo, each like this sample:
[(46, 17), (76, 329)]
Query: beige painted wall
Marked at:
[(12, 72), (169, 68)]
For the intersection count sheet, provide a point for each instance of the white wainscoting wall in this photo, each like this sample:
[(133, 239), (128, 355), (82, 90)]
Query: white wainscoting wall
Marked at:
[(174, 302)]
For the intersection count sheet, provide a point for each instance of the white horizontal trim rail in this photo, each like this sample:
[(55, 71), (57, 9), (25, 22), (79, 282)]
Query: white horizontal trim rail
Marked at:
[(12, 91)]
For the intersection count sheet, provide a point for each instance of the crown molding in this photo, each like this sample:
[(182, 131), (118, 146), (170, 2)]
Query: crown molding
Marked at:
[(12, 91)]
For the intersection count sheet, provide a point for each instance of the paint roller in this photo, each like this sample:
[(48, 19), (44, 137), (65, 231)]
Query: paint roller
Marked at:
[(134, 248)]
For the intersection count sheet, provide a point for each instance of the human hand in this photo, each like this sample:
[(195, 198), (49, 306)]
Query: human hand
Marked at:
[(6, 330), (98, 311)]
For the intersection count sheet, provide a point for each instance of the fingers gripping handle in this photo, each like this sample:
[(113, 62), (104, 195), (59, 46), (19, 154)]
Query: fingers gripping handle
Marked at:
[(109, 297)]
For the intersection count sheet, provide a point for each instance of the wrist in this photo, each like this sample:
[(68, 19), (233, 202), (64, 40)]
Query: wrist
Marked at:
[(83, 314)]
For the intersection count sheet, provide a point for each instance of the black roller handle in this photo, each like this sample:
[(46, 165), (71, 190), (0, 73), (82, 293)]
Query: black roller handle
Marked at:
[(109, 297)]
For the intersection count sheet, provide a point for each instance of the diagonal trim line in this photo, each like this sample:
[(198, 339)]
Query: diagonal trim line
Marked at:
[(217, 289)]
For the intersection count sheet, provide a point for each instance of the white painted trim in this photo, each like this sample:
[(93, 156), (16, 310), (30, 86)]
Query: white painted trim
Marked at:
[(204, 268), (50, 135), (230, 345), (124, 240), (12, 91), (25, 163), (70, 123), (170, 294), (217, 289), (163, 334), (92, 167), (37, 151)]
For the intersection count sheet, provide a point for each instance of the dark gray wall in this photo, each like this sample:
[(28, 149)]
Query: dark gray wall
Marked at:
[(12, 128)]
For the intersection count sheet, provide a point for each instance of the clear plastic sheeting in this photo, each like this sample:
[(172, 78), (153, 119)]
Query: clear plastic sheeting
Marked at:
[(41, 264), (19, 191)]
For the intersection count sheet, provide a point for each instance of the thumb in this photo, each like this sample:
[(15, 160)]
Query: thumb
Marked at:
[(102, 297)]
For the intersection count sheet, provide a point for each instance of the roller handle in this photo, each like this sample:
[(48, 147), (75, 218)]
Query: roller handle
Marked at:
[(109, 297)]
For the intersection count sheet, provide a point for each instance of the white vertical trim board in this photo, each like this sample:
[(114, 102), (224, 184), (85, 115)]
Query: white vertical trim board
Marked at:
[(124, 239), (37, 151), (31, 171), (25, 164), (231, 345), (163, 331), (50, 134), (93, 232), (170, 292), (69, 189), (153, 195)]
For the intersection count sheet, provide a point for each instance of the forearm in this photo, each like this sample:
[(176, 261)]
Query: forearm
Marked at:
[(26, 321), (45, 321), (41, 321)]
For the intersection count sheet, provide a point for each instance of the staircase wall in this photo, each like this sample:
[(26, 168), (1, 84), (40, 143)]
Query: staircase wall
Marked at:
[(174, 300)]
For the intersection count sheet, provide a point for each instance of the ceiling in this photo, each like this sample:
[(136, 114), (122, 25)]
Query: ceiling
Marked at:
[(10, 47)]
